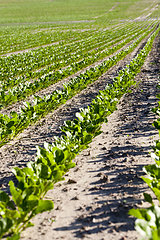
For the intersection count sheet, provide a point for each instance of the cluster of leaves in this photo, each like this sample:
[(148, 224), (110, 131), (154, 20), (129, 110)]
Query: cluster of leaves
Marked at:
[(52, 161), (27, 88), (11, 126)]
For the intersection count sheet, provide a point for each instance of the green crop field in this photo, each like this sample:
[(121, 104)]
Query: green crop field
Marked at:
[(22, 11), (52, 51)]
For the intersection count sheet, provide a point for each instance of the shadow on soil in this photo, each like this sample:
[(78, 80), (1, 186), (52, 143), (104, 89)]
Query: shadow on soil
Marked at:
[(121, 193), (113, 198), (110, 214)]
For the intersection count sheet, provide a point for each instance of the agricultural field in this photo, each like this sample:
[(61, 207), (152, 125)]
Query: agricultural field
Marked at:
[(79, 119)]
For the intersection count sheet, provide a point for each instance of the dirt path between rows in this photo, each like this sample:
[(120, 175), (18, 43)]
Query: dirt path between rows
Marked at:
[(93, 201)]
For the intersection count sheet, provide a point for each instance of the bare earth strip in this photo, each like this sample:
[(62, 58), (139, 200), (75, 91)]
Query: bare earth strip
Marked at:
[(93, 201)]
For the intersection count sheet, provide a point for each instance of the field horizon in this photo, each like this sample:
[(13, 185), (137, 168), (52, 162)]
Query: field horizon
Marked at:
[(13, 11)]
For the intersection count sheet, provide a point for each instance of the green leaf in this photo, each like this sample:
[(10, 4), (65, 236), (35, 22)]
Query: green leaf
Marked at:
[(158, 145), (16, 194), (43, 171), (30, 203), (147, 180), (29, 224), (5, 225), (44, 205), (136, 213), (87, 138), (16, 236), (148, 198), (156, 192), (59, 156), (10, 124), (144, 229), (4, 197)]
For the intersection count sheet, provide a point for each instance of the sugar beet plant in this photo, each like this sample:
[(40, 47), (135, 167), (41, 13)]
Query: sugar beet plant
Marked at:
[(148, 220), (26, 198)]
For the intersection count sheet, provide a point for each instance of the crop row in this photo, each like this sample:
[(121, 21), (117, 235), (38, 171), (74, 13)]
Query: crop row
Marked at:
[(107, 41), (19, 38), (27, 88), (25, 63), (48, 76), (23, 39), (62, 56), (34, 181), (148, 219), (11, 125)]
